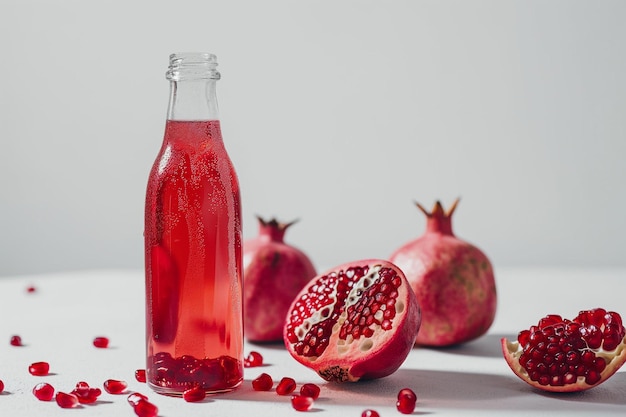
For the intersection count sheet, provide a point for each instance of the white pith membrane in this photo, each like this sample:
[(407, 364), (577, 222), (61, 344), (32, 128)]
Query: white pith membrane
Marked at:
[(614, 360), (364, 343)]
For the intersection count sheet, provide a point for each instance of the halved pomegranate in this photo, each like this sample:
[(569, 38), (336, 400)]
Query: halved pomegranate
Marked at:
[(356, 321), (562, 355)]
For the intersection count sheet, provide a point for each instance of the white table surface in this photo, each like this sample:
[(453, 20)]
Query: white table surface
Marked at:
[(59, 320)]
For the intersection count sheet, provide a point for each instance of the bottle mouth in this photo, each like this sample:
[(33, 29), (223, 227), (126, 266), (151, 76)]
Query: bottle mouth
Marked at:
[(192, 66)]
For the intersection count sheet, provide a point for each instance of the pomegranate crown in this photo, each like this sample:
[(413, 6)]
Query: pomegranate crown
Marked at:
[(439, 220), (273, 228)]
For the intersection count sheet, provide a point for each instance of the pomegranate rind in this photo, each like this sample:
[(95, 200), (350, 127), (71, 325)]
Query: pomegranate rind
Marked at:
[(274, 272), (453, 280), (614, 360), (371, 357)]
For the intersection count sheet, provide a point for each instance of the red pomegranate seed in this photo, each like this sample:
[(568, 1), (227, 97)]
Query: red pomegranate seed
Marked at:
[(39, 368), (310, 390), (140, 375), (66, 400), (85, 393), (144, 408), (43, 391), (134, 398), (194, 394), (407, 393), (301, 402), (406, 404), (31, 288), (1, 386), (16, 340), (263, 382), (114, 386), (101, 342), (370, 413), (253, 359), (286, 386)]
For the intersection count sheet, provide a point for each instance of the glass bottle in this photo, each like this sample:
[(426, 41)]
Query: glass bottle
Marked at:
[(193, 241)]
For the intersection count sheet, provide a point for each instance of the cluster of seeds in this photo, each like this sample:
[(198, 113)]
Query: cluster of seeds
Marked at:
[(366, 300), (187, 372), (558, 351), (377, 307)]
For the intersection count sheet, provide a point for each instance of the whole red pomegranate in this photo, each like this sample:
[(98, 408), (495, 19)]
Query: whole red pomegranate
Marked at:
[(452, 279), (274, 272), (562, 355), (355, 321)]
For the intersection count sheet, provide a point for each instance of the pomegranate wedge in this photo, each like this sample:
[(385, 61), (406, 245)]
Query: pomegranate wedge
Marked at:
[(561, 355)]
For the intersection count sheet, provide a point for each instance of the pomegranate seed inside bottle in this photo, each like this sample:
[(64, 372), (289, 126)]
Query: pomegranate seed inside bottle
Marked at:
[(114, 386), (370, 413), (140, 375), (66, 400), (310, 390), (16, 340), (253, 359), (101, 342), (39, 368), (43, 391), (263, 382), (145, 408), (301, 402), (286, 386), (194, 394)]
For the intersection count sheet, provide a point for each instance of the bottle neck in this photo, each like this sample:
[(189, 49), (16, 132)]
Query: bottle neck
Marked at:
[(193, 100), (193, 79)]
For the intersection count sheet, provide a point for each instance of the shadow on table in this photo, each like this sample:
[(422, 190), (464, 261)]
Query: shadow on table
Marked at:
[(453, 390), (487, 346)]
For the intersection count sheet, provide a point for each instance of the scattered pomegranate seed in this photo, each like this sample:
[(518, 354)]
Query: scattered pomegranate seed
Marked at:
[(253, 359), (286, 386), (406, 404), (301, 402), (66, 400), (43, 391), (85, 393), (144, 408), (39, 368), (263, 382), (407, 393), (194, 394), (113, 386), (1, 386), (370, 413), (31, 288), (134, 398), (101, 342), (140, 375), (310, 390), (16, 341)]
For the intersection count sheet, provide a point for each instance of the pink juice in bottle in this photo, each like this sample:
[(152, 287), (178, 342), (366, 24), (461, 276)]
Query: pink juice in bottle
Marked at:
[(194, 329)]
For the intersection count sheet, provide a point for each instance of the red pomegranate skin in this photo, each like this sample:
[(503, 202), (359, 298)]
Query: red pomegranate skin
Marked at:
[(274, 273), (452, 279)]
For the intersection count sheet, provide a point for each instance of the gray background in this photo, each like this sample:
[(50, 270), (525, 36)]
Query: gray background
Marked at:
[(340, 114)]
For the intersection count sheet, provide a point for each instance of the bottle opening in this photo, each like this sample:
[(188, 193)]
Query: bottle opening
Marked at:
[(192, 65)]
